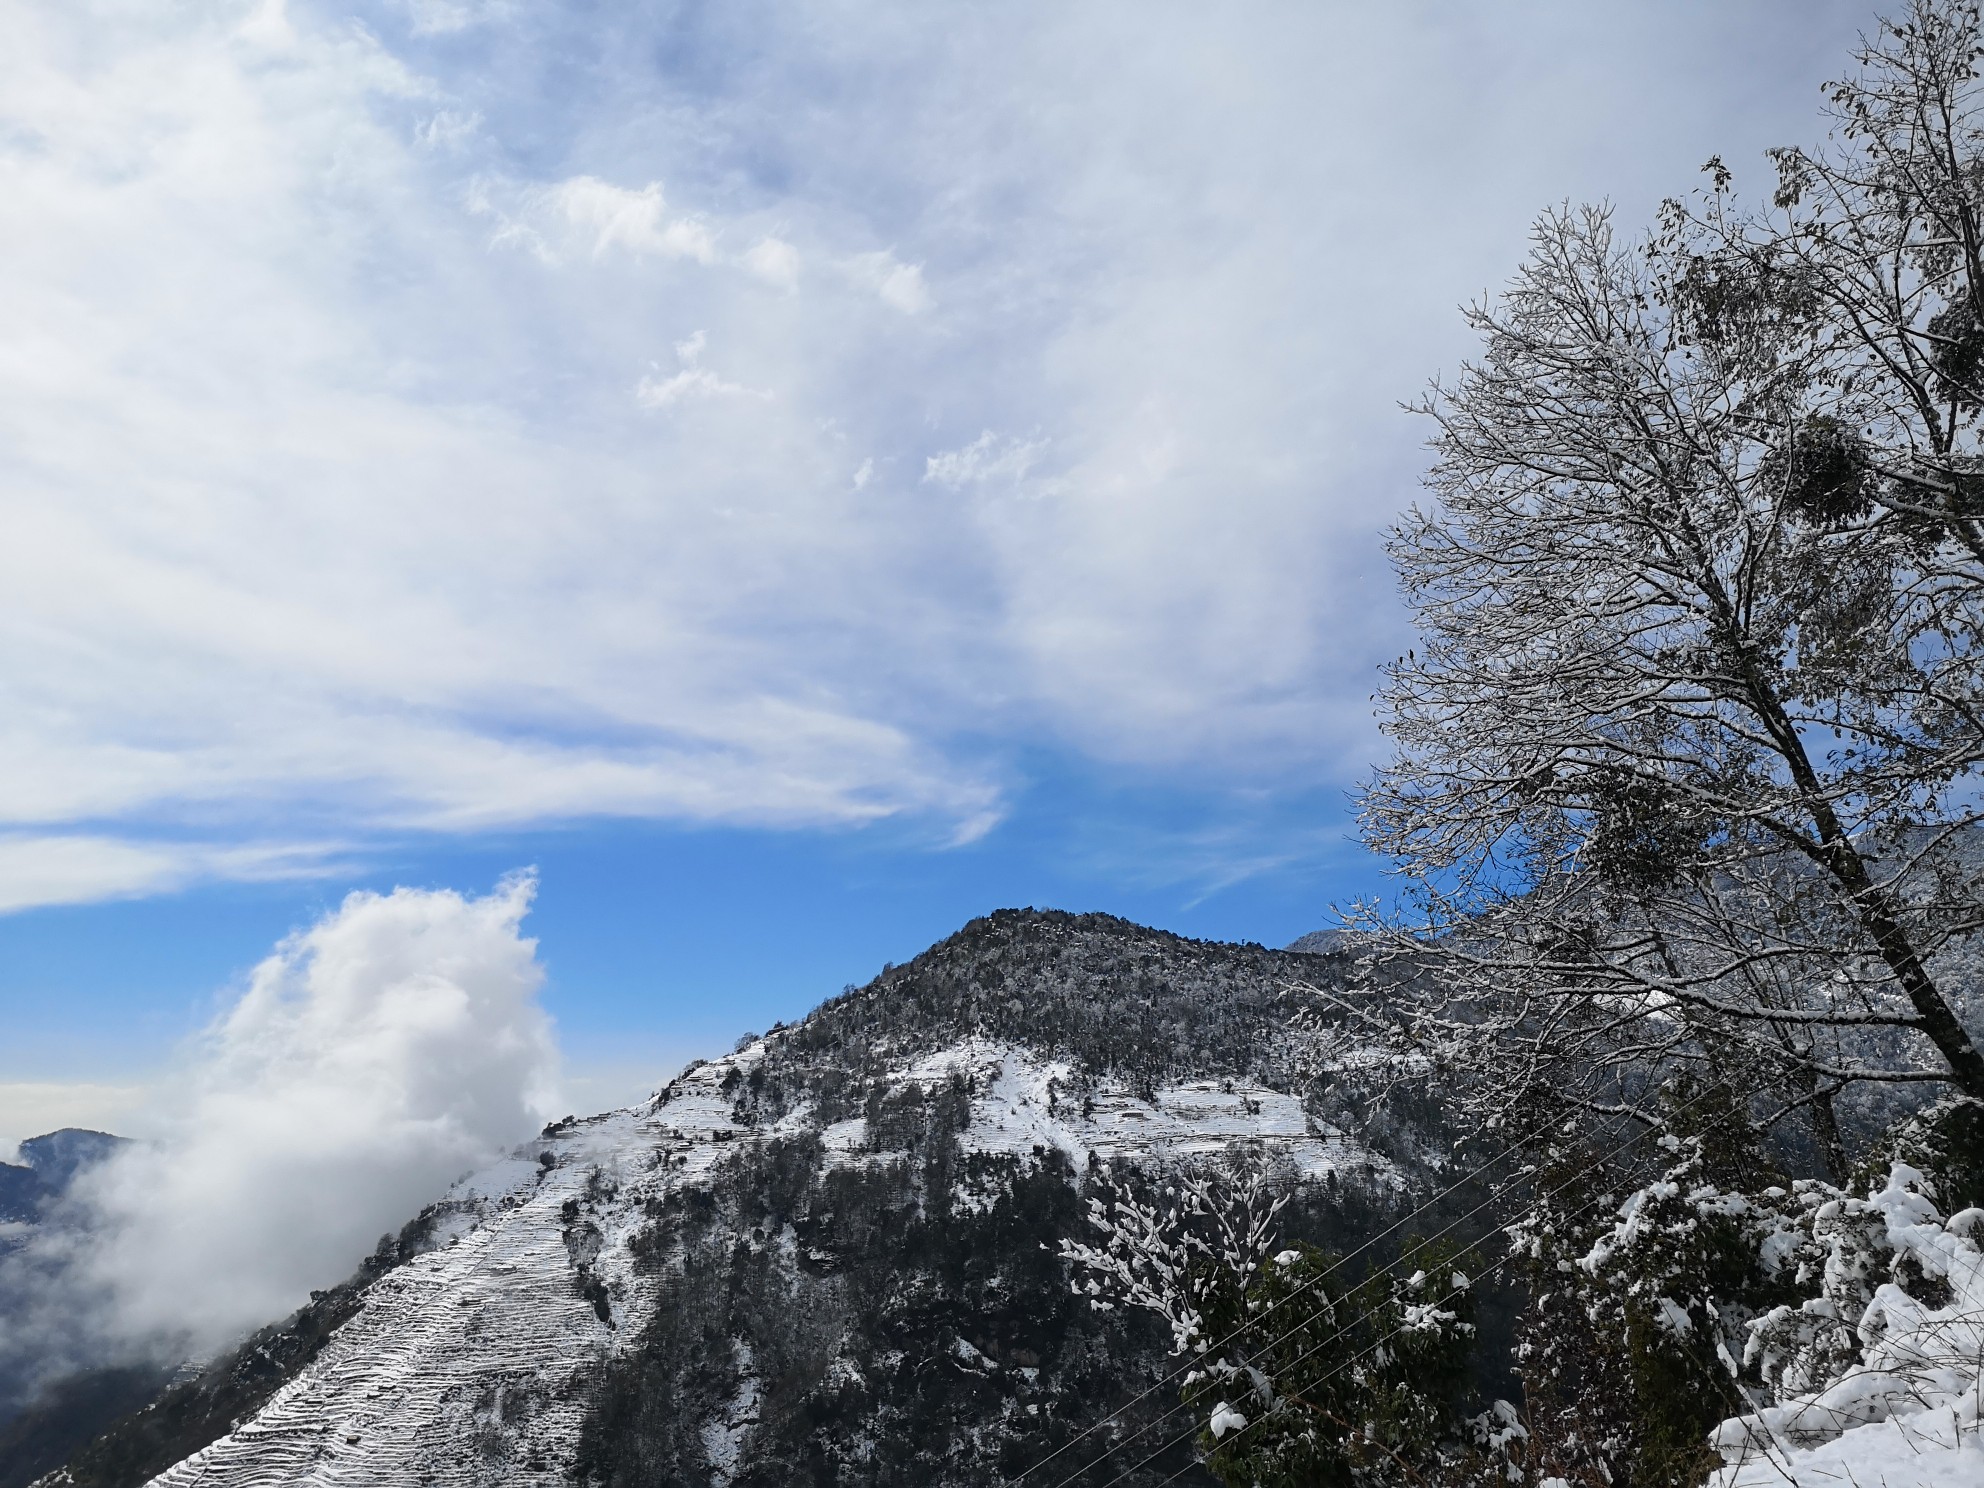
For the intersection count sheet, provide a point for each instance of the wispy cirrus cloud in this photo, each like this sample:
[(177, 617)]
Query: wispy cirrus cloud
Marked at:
[(78, 868), (988, 458), (350, 491), (595, 217)]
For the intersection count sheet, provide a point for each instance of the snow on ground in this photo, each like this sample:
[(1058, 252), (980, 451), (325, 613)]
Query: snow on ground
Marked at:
[(723, 1438), (1929, 1450)]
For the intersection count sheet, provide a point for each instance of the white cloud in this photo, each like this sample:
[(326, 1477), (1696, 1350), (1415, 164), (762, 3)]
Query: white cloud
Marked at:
[(371, 1060), (584, 217), (692, 382), (688, 384), (617, 217), (774, 261), (443, 17), (448, 130), (324, 520), (318, 514), (898, 285), (267, 25), (40, 870), (987, 459)]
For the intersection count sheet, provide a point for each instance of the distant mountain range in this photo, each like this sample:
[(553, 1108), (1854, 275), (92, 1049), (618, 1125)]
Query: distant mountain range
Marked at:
[(827, 1258), (48, 1164)]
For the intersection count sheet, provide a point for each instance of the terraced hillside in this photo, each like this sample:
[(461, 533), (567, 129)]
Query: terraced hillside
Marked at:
[(826, 1258)]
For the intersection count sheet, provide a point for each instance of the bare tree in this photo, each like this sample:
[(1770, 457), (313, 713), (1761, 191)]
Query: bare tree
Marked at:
[(1687, 749)]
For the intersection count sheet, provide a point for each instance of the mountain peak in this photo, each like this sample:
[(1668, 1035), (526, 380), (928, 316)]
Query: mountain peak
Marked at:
[(56, 1157)]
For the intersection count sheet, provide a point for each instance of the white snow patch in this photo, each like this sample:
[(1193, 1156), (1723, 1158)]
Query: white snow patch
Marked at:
[(723, 1440), (1022, 1102)]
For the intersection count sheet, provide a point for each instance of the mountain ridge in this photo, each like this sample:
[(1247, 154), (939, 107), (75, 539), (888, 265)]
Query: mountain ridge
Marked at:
[(846, 1216)]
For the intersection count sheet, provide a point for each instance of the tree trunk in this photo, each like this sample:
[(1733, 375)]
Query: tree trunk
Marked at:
[(1835, 853)]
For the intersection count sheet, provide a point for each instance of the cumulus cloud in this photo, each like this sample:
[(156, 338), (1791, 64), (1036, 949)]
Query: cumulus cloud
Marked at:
[(372, 1059)]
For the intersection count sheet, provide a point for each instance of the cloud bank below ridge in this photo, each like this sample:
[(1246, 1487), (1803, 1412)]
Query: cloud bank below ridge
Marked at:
[(370, 1061)]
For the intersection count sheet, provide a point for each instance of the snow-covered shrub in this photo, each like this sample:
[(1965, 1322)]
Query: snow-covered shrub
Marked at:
[(1300, 1373), (1753, 1334), (1186, 1260), (1638, 1306), (1945, 1143), (1884, 1367)]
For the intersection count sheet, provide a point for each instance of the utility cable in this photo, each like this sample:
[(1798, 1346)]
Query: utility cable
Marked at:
[(1309, 1285), (1191, 1432)]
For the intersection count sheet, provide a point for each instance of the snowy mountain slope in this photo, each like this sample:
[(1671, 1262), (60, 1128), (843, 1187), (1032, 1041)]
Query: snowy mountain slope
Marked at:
[(854, 1212), (484, 1339), (469, 1364)]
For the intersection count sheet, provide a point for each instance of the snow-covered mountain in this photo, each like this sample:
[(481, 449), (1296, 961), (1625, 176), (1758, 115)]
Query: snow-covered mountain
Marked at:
[(825, 1258)]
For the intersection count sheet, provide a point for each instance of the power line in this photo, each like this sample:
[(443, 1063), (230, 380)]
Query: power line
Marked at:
[(1192, 1431), (1309, 1285)]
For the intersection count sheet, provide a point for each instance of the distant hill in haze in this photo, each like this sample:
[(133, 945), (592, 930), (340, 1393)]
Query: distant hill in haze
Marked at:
[(31, 1192), (47, 1166), (1319, 943)]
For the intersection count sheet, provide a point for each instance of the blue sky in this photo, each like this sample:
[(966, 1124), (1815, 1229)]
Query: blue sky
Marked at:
[(796, 476)]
